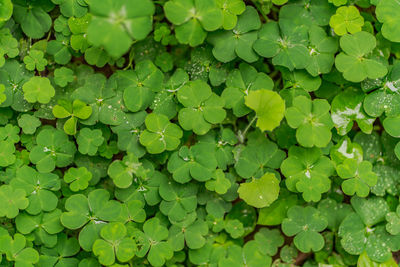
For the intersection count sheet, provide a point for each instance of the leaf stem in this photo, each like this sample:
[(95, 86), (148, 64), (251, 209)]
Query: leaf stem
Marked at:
[(258, 6), (242, 135)]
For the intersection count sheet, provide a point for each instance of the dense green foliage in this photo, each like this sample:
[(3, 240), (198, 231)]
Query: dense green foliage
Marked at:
[(214, 133)]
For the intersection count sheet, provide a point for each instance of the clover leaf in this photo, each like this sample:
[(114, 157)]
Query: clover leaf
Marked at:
[(346, 20), (248, 255), (38, 89), (39, 189), (53, 149), (122, 20), (202, 107), (269, 240), (354, 62), (7, 153), (34, 60), (393, 222), (307, 171), (360, 177), (360, 231), (218, 183), (230, 10), (78, 178), (260, 192), (347, 107), (43, 226), (71, 8), (152, 241), (239, 83), (196, 162), (90, 212), (62, 253), (74, 111), (17, 250), (322, 49), (122, 171), (33, 17), (63, 76), (6, 11), (312, 120), (286, 45), (239, 41), (178, 200), (305, 223), (386, 14), (89, 141), (141, 85), (160, 134), (29, 123), (190, 232), (269, 108), (106, 102), (12, 200), (193, 18), (384, 98), (114, 244), (259, 155)]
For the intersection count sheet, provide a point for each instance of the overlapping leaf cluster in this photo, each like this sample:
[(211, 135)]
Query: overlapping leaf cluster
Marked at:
[(219, 133)]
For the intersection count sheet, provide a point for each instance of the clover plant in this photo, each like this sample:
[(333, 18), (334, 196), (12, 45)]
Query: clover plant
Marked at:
[(211, 133)]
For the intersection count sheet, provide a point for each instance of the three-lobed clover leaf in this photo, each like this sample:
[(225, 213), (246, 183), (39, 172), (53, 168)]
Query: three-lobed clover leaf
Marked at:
[(34, 60), (287, 46), (43, 226), (89, 213), (117, 23), (160, 134), (190, 232), (62, 254), (269, 108), (393, 222), (39, 189), (89, 141), (260, 192), (53, 149), (307, 171), (7, 153), (78, 178), (38, 89), (218, 183), (196, 162), (312, 120), (193, 18), (239, 41), (18, 251), (346, 20), (140, 85), (361, 230), (71, 8), (152, 241), (74, 111), (269, 240), (202, 107), (359, 175), (355, 62), (347, 108), (249, 255), (11, 201), (384, 97), (305, 223), (114, 244)]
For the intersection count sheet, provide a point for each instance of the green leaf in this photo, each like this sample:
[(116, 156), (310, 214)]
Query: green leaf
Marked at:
[(38, 89), (269, 108), (260, 192), (160, 134), (78, 178), (305, 223), (386, 13), (122, 20), (312, 121), (354, 62), (346, 20), (12, 200)]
